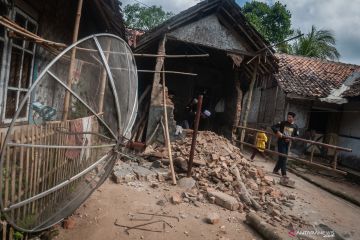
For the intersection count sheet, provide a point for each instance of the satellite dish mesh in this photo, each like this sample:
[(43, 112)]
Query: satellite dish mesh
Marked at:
[(49, 167)]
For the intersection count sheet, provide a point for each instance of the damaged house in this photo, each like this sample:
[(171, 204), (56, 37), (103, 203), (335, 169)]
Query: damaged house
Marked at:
[(33, 32), (324, 95), (237, 56)]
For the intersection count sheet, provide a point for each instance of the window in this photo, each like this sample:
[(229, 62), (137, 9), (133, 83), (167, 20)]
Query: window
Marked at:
[(19, 71)]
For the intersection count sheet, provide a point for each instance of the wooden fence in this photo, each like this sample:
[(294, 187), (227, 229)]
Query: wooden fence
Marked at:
[(30, 171)]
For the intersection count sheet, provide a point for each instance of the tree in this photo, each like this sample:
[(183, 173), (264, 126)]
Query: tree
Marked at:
[(273, 22), (144, 18), (317, 43)]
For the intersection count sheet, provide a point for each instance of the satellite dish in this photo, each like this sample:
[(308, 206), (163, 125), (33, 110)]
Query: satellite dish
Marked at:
[(84, 104)]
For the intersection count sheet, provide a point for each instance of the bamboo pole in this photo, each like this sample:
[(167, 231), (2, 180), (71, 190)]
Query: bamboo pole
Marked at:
[(296, 158), (13, 171), (27, 167), (7, 176), (4, 228), (20, 183), (171, 56), (72, 60), (167, 131), (302, 140), (32, 166), (248, 103), (170, 72), (103, 79)]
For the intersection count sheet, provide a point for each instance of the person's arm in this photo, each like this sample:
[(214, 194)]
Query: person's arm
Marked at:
[(276, 129)]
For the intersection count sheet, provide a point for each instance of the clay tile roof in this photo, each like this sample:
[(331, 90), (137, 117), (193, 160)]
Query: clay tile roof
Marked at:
[(313, 77)]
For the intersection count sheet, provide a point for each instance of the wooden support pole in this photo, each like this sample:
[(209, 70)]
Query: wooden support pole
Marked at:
[(248, 103), (312, 153), (335, 160), (72, 60), (167, 140), (193, 142), (103, 79)]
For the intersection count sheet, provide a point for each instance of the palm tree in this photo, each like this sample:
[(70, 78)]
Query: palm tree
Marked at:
[(317, 43)]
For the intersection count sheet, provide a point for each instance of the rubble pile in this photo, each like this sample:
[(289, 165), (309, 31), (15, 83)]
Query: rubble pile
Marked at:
[(224, 177)]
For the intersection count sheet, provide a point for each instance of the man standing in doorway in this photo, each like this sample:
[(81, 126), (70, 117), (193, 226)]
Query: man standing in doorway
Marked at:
[(283, 130)]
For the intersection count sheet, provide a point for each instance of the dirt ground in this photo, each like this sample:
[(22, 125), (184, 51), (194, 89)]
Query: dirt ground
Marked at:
[(321, 207), (95, 219)]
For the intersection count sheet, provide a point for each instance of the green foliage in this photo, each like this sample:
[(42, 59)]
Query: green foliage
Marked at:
[(317, 43), (18, 235), (144, 18), (273, 22)]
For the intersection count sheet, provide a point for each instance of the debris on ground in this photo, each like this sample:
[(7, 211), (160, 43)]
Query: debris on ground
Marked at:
[(221, 175), (213, 218)]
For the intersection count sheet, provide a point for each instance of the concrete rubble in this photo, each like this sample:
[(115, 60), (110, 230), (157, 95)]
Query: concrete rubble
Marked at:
[(222, 176)]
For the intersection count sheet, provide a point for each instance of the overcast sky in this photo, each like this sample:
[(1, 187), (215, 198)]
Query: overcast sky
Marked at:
[(340, 16)]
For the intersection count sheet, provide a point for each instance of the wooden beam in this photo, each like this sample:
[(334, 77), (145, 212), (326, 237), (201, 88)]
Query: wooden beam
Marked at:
[(72, 61), (248, 103)]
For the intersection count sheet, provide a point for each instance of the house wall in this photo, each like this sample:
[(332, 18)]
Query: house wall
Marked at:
[(349, 135), (302, 111), (209, 32)]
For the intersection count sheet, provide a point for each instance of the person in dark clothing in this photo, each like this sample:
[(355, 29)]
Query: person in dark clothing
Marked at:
[(283, 130)]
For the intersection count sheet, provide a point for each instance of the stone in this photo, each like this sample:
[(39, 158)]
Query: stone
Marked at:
[(212, 200), (144, 174), (227, 177), (181, 163), (213, 218), (156, 164), (253, 172), (176, 198), (123, 173), (269, 179), (69, 223), (186, 183), (253, 185), (275, 193), (162, 174), (155, 185), (224, 200), (215, 157), (261, 173)]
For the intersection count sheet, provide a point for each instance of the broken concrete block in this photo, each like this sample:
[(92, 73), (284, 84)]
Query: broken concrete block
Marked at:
[(224, 200), (144, 174), (186, 183), (213, 218), (123, 173)]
